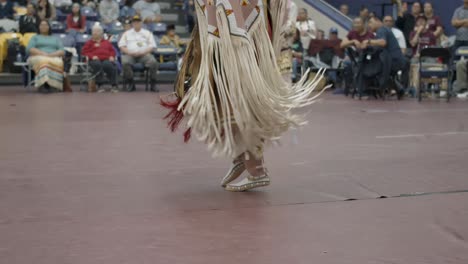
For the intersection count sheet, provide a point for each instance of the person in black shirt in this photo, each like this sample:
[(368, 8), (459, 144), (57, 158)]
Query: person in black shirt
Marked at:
[(29, 23), (407, 21), (385, 39)]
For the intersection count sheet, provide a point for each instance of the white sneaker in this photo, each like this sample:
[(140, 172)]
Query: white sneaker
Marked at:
[(442, 94), (462, 95), (101, 91)]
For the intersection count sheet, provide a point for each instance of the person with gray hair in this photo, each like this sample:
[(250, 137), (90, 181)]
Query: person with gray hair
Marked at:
[(101, 56)]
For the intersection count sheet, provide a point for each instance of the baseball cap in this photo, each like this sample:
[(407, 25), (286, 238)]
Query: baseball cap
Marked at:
[(136, 18)]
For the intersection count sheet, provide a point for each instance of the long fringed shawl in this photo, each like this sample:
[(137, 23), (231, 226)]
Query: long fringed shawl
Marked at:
[(237, 100)]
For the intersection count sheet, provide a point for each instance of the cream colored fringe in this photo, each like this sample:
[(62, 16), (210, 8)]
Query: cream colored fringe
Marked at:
[(248, 87)]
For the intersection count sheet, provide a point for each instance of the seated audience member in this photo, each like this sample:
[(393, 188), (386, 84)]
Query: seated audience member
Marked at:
[(63, 5), (388, 22), (6, 9), (45, 55), (407, 21), (421, 37), (29, 23), (357, 36), (460, 22), (149, 11), (320, 34), (171, 38), (101, 57), (109, 11), (137, 45), (434, 23), (333, 35), (306, 26), (297, 53), (354, 39), (89, 3), (46, 11), (76, 21), (7, 21), (386, 40), (326, 53)]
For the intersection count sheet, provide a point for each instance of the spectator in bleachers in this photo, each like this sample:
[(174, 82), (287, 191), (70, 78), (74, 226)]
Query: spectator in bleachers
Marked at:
[(29, 23), (149, 11), (76, 21), (101, 56), (89, 3), (7, 22), (344, 9), (137, 45), (306, 26), (46, 10), (109, 11), (320, 34), (460, 22), (172, 39), (62, 4), (407, 21), (434, 23), (421, 36), (6, 9), (333, 34), (364, 15), (388, 22), (357, 36), (45, 55)]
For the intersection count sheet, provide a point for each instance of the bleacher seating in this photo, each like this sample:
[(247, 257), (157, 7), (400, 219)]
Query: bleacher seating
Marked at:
[(172, 13)]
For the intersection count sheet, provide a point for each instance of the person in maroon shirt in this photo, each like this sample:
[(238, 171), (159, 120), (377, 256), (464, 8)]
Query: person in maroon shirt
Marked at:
[(101, 56), (434, 23), (357, 36), (421, 36), (76, 21)]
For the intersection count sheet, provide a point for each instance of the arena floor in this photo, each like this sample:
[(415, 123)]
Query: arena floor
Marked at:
[(98, 179)]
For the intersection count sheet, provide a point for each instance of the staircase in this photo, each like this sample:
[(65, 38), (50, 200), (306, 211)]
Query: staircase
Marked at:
[(326, 16)]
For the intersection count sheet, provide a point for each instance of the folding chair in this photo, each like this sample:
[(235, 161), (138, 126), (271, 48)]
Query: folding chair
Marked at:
[(168, 58), (437, 73)]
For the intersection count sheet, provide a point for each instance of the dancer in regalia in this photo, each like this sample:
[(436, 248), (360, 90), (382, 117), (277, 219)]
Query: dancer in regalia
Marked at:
[(230, 88)]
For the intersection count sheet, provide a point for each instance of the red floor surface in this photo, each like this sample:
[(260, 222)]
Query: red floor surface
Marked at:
[(98, 179)]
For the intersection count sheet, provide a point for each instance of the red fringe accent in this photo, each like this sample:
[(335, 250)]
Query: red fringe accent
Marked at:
[(187, 135), (175, 116)]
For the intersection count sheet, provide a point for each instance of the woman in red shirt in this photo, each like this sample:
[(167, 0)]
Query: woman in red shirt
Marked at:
[(101, 56), (76, 21)]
